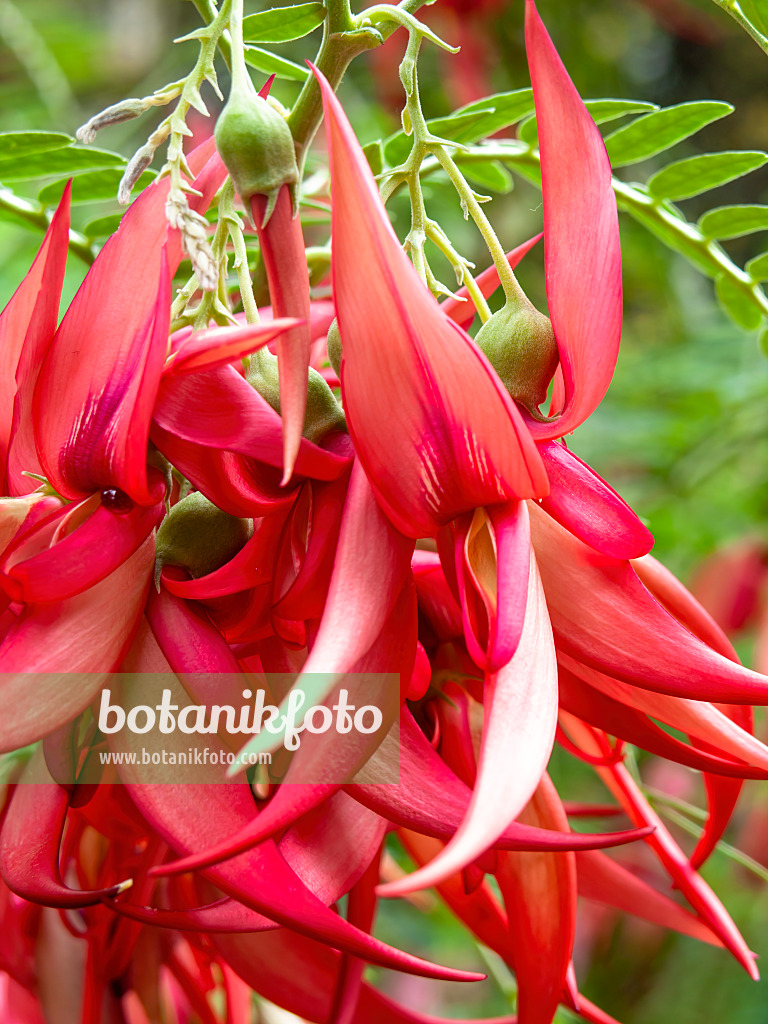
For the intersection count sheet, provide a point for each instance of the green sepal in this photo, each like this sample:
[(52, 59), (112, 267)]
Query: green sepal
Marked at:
[(256, 145), (520, 345), (199, 537)]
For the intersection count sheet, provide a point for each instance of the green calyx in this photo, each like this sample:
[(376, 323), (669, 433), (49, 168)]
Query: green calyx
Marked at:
[(256, 145), (333, 345), (199, 537), (324, 414), (520, 345)]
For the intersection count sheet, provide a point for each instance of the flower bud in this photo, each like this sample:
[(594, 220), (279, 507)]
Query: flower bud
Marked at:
[(520, 345), (333, 345), (256, 145), (323, 415), (199, 537)]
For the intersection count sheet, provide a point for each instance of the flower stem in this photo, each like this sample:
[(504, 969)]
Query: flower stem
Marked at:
[(509, 282), (344, 38), (207, 11), (674, 230)]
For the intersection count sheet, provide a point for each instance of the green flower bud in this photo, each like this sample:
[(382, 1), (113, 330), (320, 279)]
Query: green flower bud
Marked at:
[(333, 344), (199, 537), (520, 345), (256, 145), (324, 415)]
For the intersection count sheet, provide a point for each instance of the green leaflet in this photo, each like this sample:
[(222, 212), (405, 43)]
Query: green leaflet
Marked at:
[(67, 160), (283, 24), (489, 174), (103, 227), (734, 221), (756, 13), (757, 268), (91, 186), (737, 304), (660, 130), (600, 111), (609, 109), (698, 174), (468, 124), (374, 154), (271, 64), (17, 144)]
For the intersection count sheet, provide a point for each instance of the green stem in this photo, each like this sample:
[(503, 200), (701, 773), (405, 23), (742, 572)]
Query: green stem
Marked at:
[(344, 38), (35, 214), (241, 80), (733, 8), (705, 254), (512, 289), (207, 11)]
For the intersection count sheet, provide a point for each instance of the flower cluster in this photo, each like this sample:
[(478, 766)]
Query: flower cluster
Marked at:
[(209, 512)]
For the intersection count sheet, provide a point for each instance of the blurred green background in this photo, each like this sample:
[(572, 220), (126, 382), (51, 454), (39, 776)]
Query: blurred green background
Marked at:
[(682, 434)]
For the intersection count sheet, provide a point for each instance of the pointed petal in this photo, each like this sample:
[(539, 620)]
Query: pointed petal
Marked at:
[(697, 718), (602, 615), (190, 818), (620, 717), (722, 796), (218, 346), (539, 891), (433, 801), (686, 879), (27, 326), (69, 645), (454, 441), (282, 248), (581, 234), (30, 841), (587, 506), (94, 398), (604, 880), (287, 805), (522, 703), (493, 552)]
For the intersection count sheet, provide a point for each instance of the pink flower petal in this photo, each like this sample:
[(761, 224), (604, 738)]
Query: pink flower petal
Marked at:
[(69, 646), (282, 248), (98, 385), (30, 840), (218, 346), (587, 506), (493, 551), (581, 234), (27, 325), (520, 717), (434, 428), (44, 566), (539, 892), (604, 880), (603, 616)]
